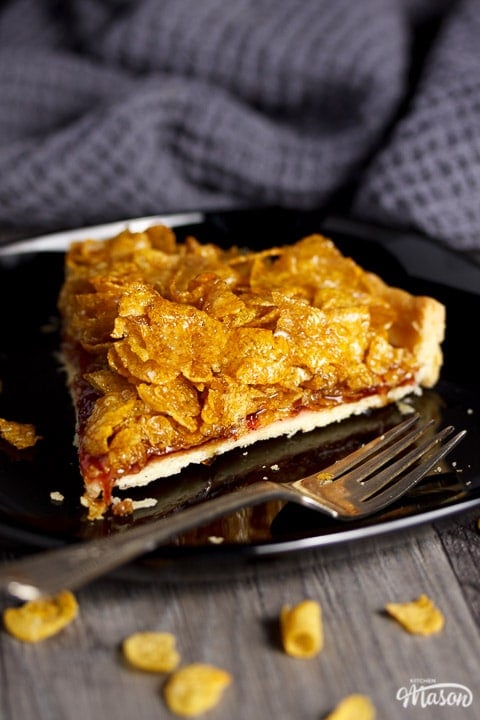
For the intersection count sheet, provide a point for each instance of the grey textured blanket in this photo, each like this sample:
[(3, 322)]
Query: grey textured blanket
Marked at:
[(116, 108)]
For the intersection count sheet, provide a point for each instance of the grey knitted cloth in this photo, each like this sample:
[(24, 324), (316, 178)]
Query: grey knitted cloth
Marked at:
[(116, 108)]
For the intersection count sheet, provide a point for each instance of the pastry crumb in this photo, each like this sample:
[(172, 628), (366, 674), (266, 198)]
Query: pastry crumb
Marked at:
[(56, 496)]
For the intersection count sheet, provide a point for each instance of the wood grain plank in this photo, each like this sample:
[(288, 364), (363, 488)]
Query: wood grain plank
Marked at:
[(460, 537), (235, 624)]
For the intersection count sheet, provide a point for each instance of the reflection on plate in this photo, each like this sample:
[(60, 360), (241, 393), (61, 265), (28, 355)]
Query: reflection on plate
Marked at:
[(33, 390)]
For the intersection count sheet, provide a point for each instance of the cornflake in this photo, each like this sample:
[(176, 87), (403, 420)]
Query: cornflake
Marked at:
[(39, 619), (20, 435), (302, 629), (419, 617), (195, 688), (151, 651), (354, 707)]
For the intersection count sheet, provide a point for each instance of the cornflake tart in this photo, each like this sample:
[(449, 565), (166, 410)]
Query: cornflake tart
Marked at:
[(176, 352)]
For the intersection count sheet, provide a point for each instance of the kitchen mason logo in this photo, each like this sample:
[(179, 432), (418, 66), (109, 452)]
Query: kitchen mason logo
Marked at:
[(427, 692)]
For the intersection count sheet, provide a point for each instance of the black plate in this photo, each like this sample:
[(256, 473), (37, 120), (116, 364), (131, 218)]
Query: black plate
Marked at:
[(33, 390)]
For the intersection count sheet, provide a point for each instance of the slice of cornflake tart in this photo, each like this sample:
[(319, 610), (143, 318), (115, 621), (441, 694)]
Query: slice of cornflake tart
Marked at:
[(176, 352)]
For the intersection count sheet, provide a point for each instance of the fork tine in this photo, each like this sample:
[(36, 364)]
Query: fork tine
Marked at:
[(382, 449), (370, 486), (407, 482), (391, 451)]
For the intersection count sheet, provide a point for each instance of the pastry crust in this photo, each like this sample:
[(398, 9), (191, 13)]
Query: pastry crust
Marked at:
[(177, 352)]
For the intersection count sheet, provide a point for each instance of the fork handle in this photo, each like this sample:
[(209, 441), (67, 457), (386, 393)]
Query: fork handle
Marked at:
[(74, 565)]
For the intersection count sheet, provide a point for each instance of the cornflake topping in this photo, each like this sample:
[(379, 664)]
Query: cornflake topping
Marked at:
[(182, 343)]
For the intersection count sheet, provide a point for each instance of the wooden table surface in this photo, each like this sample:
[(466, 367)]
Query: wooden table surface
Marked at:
[(229, 617), (231, 620)]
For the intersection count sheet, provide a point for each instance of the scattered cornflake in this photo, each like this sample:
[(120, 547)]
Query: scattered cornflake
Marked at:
[(419, 617), (302, 629), (56, 496), (20, 435), (275, 467), (151, 651), (39, 619), (353, 707), (195, 688), (216, 539)]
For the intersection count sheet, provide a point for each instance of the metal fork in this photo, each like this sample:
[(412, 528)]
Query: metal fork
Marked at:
[(361, 484)]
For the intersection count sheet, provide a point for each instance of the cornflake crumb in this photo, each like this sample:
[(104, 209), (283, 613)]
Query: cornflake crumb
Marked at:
[(275, 467), (96, 508), (216, 539), (127, 505), (20, 435), (123, 507)]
